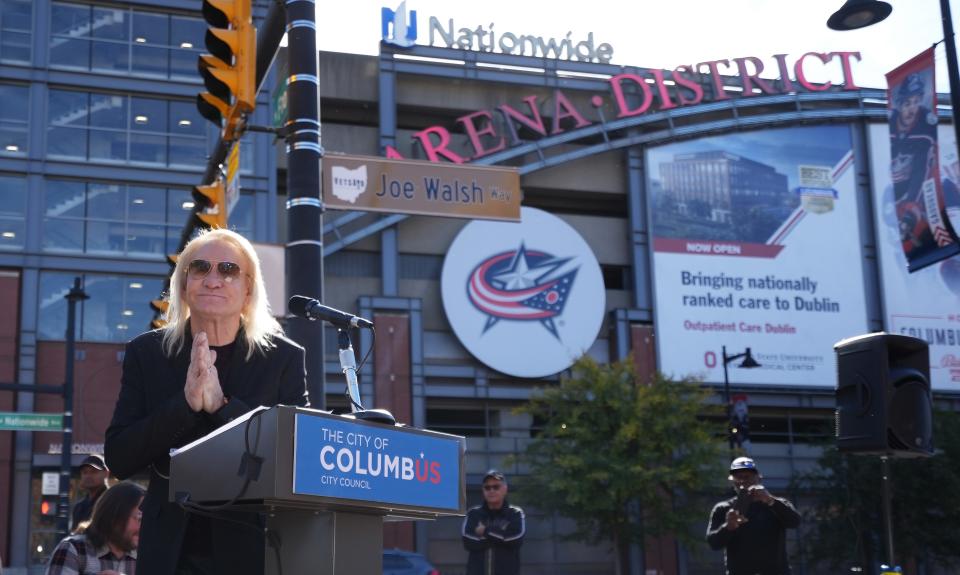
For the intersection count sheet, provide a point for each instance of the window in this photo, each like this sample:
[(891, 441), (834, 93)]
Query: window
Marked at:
[(125, 41), (118, 308), (113, 219), (125, 128), (14, 116), (240, 219), (16, 23), (13, 212)]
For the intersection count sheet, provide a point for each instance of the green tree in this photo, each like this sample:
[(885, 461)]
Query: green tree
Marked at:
[(847, 519), (610, 444)]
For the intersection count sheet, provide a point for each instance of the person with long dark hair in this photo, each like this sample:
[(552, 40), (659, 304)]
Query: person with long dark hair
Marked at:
[(108, 544)]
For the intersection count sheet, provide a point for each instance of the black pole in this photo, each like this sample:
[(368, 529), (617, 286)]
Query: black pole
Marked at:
[(726, 395), (887, 508), (75, 295), (953, 72), (304, 207)]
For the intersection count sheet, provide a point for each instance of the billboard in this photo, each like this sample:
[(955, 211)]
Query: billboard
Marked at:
[(756, 243), (925, 303), (914, 165)]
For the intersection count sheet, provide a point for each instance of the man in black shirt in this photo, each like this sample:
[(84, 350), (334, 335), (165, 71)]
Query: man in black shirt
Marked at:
[(93, 479), (493, 532), (751, 527)]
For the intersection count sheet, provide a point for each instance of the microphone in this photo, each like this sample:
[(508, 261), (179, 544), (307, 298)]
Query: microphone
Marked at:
[(312, 309)]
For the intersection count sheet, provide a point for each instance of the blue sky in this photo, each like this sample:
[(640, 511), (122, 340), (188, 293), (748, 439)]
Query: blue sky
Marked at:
[(669, 34)]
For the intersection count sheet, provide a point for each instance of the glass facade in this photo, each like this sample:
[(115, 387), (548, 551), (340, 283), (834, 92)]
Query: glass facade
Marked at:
[(118, 308), (113, 219), (14, 119), (13, 211), (16, 24), (125, 41), (125, 129)]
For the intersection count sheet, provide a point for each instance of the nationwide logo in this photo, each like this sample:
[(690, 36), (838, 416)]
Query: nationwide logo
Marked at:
[(521, 285), (404, 32)]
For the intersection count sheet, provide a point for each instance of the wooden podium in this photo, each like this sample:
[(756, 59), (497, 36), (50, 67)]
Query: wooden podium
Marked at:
[(324, 482)]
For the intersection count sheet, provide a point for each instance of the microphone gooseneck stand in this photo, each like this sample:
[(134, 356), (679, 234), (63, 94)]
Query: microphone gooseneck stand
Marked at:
[(348, 364)]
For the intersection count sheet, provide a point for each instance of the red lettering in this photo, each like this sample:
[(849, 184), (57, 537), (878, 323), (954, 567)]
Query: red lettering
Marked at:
[(393, 154), (474, 134), (435, 472), (802, 78), (749, 79), (562, 109), (665, 103), (536, 124), (785, 80), (440, 149), (687, 83), (616, 83), (848, 83), (426, 470), (718, 93)]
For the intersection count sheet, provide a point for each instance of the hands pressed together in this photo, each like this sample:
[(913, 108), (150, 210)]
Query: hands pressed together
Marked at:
[(202, 389)]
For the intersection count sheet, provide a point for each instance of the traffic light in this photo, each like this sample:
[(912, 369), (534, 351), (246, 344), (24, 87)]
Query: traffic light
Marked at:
[(48, 507), (883, 396), (211, 205), (229, 70), (160, 311)]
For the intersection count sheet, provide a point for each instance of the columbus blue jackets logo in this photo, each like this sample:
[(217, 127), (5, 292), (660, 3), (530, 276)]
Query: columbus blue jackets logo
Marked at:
[(525, 299), (522, 285)]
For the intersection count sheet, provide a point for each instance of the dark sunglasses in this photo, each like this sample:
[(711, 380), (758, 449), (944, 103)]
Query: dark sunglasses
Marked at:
[(199, 269), (492, 487)]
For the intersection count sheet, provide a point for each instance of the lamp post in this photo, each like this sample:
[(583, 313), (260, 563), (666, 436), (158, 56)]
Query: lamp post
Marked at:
[(862, 13), (747, 363), (859, 14)]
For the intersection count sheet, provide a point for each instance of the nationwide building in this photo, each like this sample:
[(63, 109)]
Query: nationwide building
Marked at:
[(669, 216)]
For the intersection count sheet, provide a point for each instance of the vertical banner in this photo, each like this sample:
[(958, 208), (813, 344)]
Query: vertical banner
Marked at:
[(756, 244), (926, 303), (926, 235)]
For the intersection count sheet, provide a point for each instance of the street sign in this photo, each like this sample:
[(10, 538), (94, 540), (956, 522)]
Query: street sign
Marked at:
[(421, 188), (279, 95), (13, 420), (232, 190), (50, 483)]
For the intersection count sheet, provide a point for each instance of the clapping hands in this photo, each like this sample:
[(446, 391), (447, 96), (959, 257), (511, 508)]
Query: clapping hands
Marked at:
[(202, 388)]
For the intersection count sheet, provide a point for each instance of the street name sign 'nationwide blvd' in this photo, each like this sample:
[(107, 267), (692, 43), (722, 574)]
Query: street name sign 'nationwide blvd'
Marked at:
[(12, 420), (421, 188)]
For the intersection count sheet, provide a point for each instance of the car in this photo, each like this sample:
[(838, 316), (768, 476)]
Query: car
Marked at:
[(400, 562)]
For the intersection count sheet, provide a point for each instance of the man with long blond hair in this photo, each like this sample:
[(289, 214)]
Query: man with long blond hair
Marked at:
[(220, 355)]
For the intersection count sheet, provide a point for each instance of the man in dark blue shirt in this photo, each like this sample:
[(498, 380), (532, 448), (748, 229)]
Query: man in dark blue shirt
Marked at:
[(751, 527), (493, 532)]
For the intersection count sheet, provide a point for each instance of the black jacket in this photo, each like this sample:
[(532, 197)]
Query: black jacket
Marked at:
[(152, 416), (505, 528), (84, 508), (759, 546)]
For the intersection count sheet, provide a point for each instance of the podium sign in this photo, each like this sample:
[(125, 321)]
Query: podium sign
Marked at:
[(316, 460), (404, 467)]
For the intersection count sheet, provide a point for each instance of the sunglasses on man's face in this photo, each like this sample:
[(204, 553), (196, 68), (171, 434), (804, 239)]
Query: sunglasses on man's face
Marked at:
[(492, 487), (199, 269)]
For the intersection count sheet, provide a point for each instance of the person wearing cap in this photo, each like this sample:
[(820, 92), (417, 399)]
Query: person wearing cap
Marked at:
[(493, 531), (94, 479), (751, 527)]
